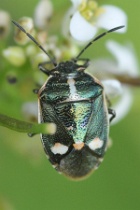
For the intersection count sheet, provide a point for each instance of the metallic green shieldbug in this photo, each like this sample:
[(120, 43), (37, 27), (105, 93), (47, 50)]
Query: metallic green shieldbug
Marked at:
[(75, 101)]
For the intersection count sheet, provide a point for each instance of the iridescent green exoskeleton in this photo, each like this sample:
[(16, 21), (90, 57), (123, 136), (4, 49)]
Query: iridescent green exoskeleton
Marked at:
[(75, 101)]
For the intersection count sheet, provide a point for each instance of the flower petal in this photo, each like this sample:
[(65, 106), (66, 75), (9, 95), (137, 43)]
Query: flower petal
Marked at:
[(80, 29), (125, 56), (112, 17), (103, 68), (76, 3), (112, 87), (123, 106), (66, 22), (67, 17), (43, 13)]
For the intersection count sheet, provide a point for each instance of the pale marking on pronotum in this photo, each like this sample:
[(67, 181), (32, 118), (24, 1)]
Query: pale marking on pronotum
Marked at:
[(78, 145), (73, 91), (96, 144), (59, 148)]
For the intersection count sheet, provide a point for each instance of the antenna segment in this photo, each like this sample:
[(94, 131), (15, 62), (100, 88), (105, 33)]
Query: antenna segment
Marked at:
[(98, 37), (33, 39)]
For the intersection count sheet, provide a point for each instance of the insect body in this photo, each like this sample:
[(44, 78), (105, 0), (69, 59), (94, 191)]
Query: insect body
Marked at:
[(75, 102)]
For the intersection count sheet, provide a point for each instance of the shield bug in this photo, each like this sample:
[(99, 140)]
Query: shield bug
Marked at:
[(75, 101)]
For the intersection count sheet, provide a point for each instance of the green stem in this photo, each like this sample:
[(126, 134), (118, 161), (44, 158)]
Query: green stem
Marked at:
[(26, 127)]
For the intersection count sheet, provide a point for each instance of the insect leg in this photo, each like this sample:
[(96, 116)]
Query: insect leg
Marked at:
[(44, 69), (110, 111), (113, 113)]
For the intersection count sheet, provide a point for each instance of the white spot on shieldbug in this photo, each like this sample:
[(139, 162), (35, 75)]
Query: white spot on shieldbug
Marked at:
[(96, 144), (59, 148)]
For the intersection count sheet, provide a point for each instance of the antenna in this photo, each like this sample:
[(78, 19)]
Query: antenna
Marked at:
[(98, 37), (33, 39)]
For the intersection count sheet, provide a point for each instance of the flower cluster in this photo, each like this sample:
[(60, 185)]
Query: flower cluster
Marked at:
[(81, 23)]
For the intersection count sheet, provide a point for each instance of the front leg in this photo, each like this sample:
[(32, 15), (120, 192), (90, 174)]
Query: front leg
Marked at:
[(43, 69), (110, 111)]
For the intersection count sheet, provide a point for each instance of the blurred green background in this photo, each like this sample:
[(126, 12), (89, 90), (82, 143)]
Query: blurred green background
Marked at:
[(28, 181)]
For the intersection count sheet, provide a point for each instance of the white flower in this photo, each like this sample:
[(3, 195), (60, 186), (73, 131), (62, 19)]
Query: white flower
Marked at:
[(108, 71), (88, 17), (43, 13)]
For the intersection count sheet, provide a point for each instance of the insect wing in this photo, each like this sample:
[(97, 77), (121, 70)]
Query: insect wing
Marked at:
[(61, 136), (97, 131)]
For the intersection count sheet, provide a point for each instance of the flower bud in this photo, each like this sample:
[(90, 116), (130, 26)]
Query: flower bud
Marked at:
[(27, 24), (31, 50), (4, 24), (43, 13), (39, 58), (15, 55)]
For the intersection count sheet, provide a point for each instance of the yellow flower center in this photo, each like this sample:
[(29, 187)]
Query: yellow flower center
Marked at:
[(90, 10)]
